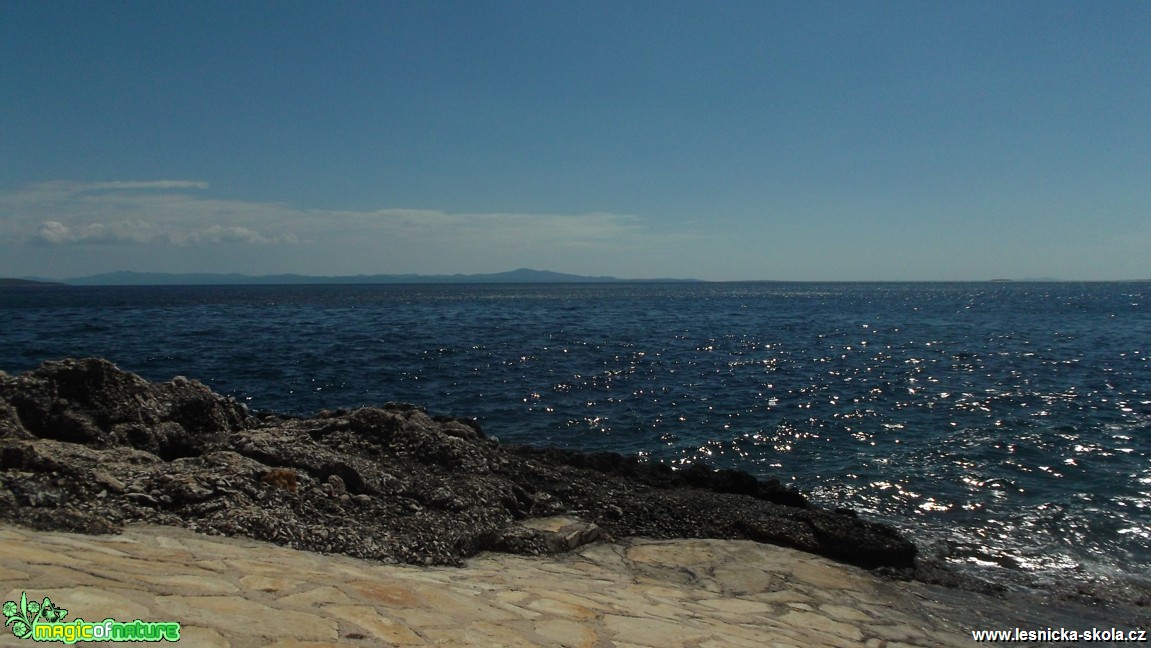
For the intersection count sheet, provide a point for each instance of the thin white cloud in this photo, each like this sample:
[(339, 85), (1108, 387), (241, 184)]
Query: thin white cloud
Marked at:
[(46, 193), (497, 228), (234, 234), (139, 232), (137, 185), (134, 212), (57, 233), (125, 225)]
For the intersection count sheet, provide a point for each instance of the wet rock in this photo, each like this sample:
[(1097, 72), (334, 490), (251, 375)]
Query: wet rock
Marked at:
[(85, 446)]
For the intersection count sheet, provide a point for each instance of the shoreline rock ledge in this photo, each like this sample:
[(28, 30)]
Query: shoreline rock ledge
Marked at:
[(87, 447)]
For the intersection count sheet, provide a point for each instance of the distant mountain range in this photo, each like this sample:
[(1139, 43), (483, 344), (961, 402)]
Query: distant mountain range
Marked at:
[(523, 275)]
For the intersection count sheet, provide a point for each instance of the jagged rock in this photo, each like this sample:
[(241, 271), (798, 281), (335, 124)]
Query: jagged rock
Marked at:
[(85, 446), (564, 533), (91, 401)]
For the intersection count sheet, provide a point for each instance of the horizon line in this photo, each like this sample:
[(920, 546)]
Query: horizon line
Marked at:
[(504, 277)]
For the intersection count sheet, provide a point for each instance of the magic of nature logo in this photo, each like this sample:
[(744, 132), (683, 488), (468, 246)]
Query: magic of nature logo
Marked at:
[(45, 622)]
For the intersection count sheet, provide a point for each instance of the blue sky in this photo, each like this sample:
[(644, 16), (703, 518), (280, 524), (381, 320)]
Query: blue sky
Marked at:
[(716, 140)]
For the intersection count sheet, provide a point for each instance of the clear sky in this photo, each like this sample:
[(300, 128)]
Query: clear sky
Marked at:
[(717, 140)]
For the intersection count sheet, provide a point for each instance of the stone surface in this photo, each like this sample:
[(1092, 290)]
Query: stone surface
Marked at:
[(597, 595)]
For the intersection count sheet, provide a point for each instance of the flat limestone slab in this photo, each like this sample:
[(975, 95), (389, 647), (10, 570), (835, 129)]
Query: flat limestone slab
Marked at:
[(238, 592)]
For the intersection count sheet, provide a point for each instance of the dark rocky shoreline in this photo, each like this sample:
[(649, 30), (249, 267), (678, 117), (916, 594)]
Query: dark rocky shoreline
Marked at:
[(87, 447)]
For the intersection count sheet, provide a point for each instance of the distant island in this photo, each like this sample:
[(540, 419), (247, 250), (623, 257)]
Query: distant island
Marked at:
[(26, 282), (523, 275)]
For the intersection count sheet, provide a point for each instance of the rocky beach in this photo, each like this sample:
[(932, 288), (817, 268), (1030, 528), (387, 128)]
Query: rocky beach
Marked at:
[(88, 448)]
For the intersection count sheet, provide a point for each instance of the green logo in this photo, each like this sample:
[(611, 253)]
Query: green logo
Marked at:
[(45, 622)]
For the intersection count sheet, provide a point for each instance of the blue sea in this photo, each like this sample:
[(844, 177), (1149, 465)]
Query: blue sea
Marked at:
[(1006, 427)]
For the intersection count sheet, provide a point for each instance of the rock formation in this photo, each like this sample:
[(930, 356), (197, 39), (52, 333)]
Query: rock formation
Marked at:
[(87, 447)]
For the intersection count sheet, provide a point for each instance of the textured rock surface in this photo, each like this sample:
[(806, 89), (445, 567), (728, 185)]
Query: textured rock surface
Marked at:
[(87, 447), (230, 592)]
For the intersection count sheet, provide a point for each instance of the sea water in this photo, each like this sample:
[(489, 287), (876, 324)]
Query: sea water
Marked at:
[(1006, 427)]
